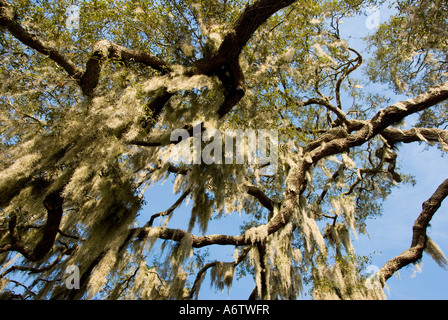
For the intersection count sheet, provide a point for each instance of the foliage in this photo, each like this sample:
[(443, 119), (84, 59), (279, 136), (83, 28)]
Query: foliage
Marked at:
[(86, 117)]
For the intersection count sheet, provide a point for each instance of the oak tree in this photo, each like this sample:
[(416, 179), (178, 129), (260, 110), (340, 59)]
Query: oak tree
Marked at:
[(87, 116)]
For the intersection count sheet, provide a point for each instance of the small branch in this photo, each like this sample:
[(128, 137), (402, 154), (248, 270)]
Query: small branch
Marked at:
[(26, 115), (69, 235), (22, 285), (345, 73), (127, 282), (148, 143), (331, 180), (7, 20), (204, 269), (36, 270), (352, 187), (327, 104), (177, 170), (170, 209)]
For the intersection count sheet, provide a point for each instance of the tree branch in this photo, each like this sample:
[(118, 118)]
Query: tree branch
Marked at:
[(170, 209), (37, 270), (103, 49), (204, 269), (419, 237), (224, 62), (164, 138), (345, 73), (236, 39), (261, 197), (431, 135), (106, 49), (53, 203), (7, 20), (396, 112), (197, 242), (327, 104), (232, 78)]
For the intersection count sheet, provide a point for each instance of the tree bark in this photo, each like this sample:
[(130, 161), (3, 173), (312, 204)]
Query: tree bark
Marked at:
[(53, 203)]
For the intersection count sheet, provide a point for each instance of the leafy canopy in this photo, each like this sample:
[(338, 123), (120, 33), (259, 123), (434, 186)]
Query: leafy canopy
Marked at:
[(86, 118)]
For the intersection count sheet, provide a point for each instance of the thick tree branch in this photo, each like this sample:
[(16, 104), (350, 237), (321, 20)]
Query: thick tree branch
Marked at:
[(419, 237), (236, 39), (104, 49), (260, 196), (155, 107), (431, 135), (53, 203), (262, 292), (232, 78), (328, 136), (164, 138), (197, 241), (7, 20), (224, 62), (402, 109), (117, 52)]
